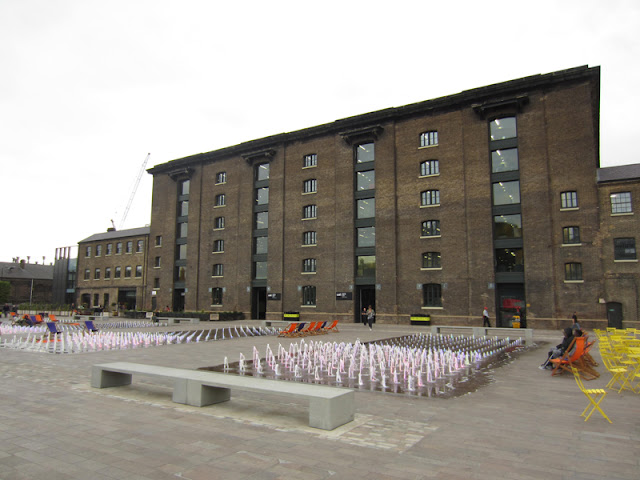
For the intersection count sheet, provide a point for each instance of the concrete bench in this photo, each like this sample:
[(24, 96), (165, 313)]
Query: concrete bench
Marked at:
[(174, 321), (527, 333), (329, 407)]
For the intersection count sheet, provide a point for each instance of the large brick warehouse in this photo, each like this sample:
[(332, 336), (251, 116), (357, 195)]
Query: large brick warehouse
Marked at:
[(488, 197)]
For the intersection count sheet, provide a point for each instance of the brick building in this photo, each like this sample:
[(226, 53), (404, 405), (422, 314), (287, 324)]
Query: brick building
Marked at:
[(112, 269), (29, 283), (440, 207)]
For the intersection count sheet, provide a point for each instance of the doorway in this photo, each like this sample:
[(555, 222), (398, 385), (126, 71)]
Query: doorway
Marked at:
[(614, 314), (510, 303), (259, 303), (366, 295), (178, 300)]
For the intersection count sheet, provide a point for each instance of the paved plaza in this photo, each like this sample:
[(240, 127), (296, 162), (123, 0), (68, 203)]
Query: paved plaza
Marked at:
[(524, 424)]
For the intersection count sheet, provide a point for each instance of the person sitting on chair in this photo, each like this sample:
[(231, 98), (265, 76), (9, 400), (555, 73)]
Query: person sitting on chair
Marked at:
[(559, 349)]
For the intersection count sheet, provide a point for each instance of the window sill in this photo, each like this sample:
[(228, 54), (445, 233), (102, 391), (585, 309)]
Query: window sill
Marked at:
[(308, 273), (428, 176), (310, 218), (431, 269), (308, 306), (216, 306), (218, 229), (429, 206), (432, 308), (309, 193), (569, 209), (215, 253), (310, 166), (630, 260), (217, 276), (220, 183), (430, 236), (219, 206), (574, 281), (310, 245), (427, 146), (623, 214), (571, 245)]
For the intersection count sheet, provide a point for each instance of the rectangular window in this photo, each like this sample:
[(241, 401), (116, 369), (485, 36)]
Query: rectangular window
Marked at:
[(262, 172), (262, 196), (118, 272), (366, 208), (429, 167), (182, 251), (218, 270), (570, 235), (220, 200), (366, 180), (309, 265), (260, 270), (129, 247), (365, 153), (184, 187), (96, 275), (503, 128), (262, 220), (127, 272), (87, 252), (140, 246), (216, 296), (158, 240), (118, 248), (310, 161), (221, 177), (308, 295), (218, 224), (430, 198), (183, 208), (366, 266), (109, 249), (181, 273), (509, 260), (260, 245), (624, 249), (183, 229), (310, 211), (366, 237), (429, 139), (572, 271), (98, 250), (431, 260), (138, 271), (157, 262), (107, 273), (621, 203), (432, 295), (156, 283), (506, 193), (87, 274), (504, 160), (569, 200), (309, 238), (430, 228), (218, 246), (507, 226), (310, 186)]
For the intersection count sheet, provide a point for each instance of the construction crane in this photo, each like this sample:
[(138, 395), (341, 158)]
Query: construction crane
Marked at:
[(133, 192)]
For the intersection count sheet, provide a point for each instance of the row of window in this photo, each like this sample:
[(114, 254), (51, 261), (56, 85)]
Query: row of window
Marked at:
[(128, 248), (117, 273)]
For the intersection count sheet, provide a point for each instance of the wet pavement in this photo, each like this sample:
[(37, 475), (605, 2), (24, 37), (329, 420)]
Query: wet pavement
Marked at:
[(523, 424)]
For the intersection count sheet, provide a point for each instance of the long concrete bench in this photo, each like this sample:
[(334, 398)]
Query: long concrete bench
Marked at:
[(329, 407), (174, 321), (527, 333)]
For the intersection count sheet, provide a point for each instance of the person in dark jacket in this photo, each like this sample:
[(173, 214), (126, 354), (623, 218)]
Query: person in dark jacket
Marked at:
[(559, 349)]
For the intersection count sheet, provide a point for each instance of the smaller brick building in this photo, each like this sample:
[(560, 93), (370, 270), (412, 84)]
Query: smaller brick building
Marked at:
[(30, 282), (112, 269)]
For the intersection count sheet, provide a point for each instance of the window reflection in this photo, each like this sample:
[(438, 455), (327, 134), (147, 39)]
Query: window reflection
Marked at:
[(366, 266), (506, 193), (508, 226), (366, 208), (366, 180), (502, 128), (262, 220), (367, 237), (504, 160), (365, 153), (509, 260)]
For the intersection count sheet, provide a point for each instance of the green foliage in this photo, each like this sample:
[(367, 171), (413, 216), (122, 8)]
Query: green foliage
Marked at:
[(5, 291)]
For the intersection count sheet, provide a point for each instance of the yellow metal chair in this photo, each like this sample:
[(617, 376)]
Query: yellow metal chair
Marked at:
[(595, 396)]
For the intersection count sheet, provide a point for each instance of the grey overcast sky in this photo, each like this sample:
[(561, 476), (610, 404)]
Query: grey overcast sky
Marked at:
[(88, 87)]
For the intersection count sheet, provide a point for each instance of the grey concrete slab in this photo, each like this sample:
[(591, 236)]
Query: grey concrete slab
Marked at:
[(524, 424)]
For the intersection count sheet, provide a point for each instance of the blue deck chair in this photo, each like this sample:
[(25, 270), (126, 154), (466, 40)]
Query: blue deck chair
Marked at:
[(53, 328), (90, 326)]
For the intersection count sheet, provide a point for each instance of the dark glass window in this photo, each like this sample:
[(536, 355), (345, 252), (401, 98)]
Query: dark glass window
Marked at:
[(506, 193), (366, 208), (310, 211), (262, 196), (107, 273), (508, 226), (570, 235), (429, 167), (183, 208), (624, 249), (310, 186), (262, 172), (87, 274), (432, 295), (502, 128), (262, 220), (157, 262), (431, 260), (504, 160), (572, 271), (218, 246), (219, 223), (221, 177), (218, 270), (118, 272), (260, 246), (430, 228), (569, 200), (509, 260), (365, 153), (98, 250), (367, 237), (216, 296), (96, 275), (184, 187), (309, 238), (138, 271), (430, 197), (309, 265), (310, 161), (220, 200), (260, 270), (308, 295), (621, 202), (428, 139), (366, 266)]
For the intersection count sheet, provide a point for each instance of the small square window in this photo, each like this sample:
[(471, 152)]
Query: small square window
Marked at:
[(621, 203), (309, 238), (218, 270), (430, 228), (572, 271), (309, 265), (218, 223), (624, 249), (569, 199), (570, 235), (310, 186), (218, 246), (220, 200), (310, 160), (431, 260), (429, 167), (432, 295), (310, 211), (430, 198), (429, 139), (221, 177)]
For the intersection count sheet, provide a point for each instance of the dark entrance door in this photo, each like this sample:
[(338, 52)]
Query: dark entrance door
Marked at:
[(366, 295), (178, 300), (259, 303), (510, 302), (614, 314)]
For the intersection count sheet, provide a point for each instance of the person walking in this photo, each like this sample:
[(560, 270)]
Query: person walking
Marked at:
[(485, 318), (370, 316)]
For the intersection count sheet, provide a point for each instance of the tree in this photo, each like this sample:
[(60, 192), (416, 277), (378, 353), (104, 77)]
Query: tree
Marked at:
[(5, 291)]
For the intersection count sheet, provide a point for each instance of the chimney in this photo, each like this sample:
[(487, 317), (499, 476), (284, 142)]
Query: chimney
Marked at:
[(22, 264)]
